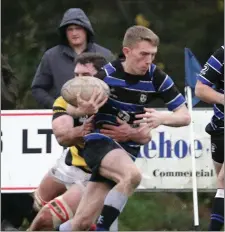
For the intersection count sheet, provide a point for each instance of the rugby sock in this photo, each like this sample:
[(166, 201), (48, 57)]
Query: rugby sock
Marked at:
[(217, 214), (113, 206), (66, 226), (114, 226)]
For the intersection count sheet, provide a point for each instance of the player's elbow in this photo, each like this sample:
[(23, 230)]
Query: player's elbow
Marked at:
[(63, 140), (146, 139), (197, 92), (199, 89), (186, 119), (61, 127), (183, 116)]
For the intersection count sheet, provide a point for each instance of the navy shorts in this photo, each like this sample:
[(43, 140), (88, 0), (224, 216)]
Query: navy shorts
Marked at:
[(217, 144), (217, 148), (96, 149)]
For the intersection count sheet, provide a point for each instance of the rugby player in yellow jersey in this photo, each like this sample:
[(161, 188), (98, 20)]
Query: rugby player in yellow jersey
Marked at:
[(61, 176), (55, 202)]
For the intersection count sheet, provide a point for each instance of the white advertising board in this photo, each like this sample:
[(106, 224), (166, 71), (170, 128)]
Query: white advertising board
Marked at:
[(29, 149)]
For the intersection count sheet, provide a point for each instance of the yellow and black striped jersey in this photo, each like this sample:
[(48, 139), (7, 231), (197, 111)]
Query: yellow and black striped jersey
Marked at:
[(73, 157)]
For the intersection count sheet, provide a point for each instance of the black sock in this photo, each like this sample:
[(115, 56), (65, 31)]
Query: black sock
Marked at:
[(217, 213), (107, 217)]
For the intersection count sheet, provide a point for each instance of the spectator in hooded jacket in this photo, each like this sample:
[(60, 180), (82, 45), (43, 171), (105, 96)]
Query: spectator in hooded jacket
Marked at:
[(57, 64)]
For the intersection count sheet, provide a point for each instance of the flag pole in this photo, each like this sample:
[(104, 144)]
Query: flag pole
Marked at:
[(188, 92)]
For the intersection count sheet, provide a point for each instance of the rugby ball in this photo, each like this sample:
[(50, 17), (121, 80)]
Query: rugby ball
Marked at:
[(84, 86)]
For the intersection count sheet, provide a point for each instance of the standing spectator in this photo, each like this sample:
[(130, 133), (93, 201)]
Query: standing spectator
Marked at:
[(57, 64)]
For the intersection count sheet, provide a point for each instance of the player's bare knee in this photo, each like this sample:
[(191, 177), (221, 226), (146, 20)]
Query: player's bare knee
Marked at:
[(41, 220), (43, 214), (132, 178), (59, 210), (136, 178), (38, 201), (220, 180)]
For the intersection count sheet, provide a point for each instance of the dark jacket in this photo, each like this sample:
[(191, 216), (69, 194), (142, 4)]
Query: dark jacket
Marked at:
[(57, 64), (9, 86)]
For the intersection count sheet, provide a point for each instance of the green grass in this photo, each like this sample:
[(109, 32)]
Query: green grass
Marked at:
[(162, 212)]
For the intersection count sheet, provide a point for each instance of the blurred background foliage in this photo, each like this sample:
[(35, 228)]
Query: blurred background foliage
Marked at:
[(29, 28)]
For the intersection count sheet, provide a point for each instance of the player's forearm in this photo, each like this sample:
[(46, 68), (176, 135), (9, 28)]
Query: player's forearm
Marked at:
[(176, 119), (209, 95), (70, 137)]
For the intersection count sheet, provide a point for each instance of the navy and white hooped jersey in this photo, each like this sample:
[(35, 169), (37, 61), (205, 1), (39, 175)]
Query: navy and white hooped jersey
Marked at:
[(212, 74), (129, 94)]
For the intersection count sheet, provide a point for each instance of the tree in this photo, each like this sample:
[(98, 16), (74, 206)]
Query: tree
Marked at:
[(197, 24)]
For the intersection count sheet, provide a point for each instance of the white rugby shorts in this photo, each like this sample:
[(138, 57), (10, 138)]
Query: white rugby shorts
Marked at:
[(68, 175)]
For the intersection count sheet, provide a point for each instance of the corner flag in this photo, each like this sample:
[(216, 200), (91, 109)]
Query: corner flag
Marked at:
[(192, 69)]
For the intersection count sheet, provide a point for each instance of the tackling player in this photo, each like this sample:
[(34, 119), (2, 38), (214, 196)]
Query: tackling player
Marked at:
[(70, 168)]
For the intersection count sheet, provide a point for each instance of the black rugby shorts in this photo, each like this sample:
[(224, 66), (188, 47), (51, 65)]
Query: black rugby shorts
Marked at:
[(217, 148), (96, 149)]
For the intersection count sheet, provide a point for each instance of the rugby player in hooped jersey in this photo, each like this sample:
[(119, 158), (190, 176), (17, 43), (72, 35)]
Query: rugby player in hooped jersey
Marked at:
[(134, 82), (213, 75)]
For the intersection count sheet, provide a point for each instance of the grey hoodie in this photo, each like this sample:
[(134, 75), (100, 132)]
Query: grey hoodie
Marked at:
[(57, 64)]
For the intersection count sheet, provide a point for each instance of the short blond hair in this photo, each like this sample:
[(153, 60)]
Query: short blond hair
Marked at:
[(136, 34)]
